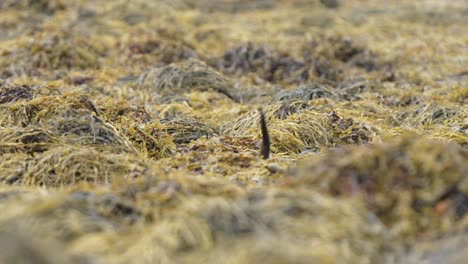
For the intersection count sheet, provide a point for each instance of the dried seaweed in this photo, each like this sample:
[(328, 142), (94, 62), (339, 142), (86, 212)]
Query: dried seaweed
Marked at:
[(159, 52), (192, 75), (130, 131), (408, 173), (186, 130), (70, 165), (59, 50), (12, 93), (295, 126)]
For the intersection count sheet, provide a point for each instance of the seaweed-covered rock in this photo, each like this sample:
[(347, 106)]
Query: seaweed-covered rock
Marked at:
[(26, 140), (61, 166), (71, 119), (184, 130), (53, 51), (251, 227), (437, 120), (331, 3), (268, 64), (294, 126), (405, 181), (12, 167), (429, 114), (311, 91), (339, 47), (337, 57), (68, 217), (329, 58), (124, 111), (149, 139), (19, 247), (272, 65), (141, 129), (130, 131), (450, 249), (305, 93), (160, 52), (230, 6), (11, 93), (46, 6), (190, 75), (358, 86)]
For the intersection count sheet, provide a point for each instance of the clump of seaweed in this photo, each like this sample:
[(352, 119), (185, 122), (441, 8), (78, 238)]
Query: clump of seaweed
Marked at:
[(329, 58), (277, 67), (338, 57), (312, 91), (429, 114), (11, 93), (220, 156), (19, 247), (123, 111), (46, 6), (255, 222), (190, 75), (266, 63), (338, 47), (331, 3), (69, 217), (159, 52), (142, 130), (184, 130), (67, 165), (130, 131), (229, 6), (407, 182), (346, 130), (26, 140), (437, 120), (295, 126), (67, 119), (359, 85), (12, 167), (52, 51), (149, 139)]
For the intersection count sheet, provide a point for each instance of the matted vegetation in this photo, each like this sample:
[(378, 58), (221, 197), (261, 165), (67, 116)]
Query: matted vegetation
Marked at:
[(130, 131)]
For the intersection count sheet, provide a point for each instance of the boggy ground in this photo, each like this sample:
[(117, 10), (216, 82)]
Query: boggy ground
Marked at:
[(130, 131)]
